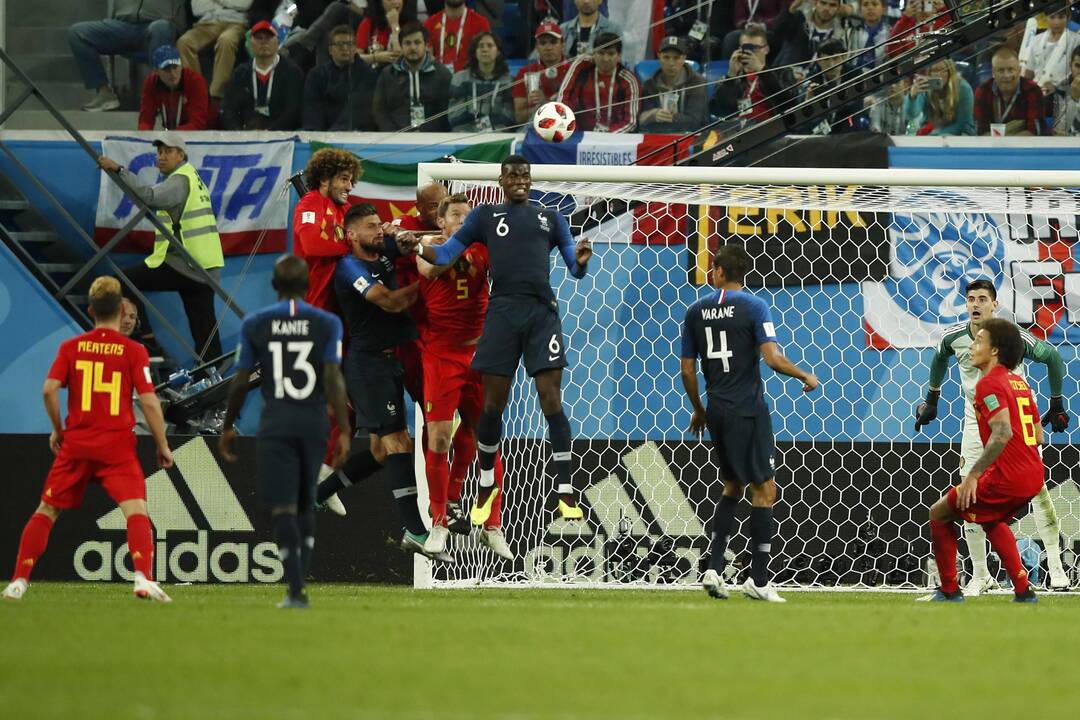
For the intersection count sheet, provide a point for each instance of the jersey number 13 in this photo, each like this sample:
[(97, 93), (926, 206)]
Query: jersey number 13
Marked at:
[(297, 352)]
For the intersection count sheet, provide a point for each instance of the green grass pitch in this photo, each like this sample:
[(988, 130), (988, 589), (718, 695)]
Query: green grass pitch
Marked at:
[(77, 651)]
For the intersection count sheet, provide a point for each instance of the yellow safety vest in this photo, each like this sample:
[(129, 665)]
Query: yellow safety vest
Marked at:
[(197, 230)]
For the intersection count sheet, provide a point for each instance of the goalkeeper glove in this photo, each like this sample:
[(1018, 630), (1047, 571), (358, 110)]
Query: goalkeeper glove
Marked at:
[(1055, 416), (927, 411)]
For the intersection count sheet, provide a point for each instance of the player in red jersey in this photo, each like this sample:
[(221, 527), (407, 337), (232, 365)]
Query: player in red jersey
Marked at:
[(1007, 475), (456, 299), (319, 238), (100, 369)]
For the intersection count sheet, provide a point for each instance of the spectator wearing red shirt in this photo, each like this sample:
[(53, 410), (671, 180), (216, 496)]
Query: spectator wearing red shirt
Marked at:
[(751, 92), (1009, 99), (318, 221), (377, 36), (175, 95), (602, 92), (451, 31), (916, 20), (548, 72)]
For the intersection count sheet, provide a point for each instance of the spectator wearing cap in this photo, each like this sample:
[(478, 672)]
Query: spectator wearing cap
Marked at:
[(414, 92), (751, 92), (264, 94), (173, 95), (134, 30), (601, 91), (451, 31), (674, 99), (579, 34), (338, 95), (539, 81), (222, 24), (480, 99), (183, 204)]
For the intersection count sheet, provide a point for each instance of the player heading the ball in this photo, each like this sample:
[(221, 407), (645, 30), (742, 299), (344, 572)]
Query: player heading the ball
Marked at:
[(522, 320), (1007, 474), (730, 330)]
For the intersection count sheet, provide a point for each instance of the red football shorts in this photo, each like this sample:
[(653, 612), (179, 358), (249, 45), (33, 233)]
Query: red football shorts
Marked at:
[(121, 477), (412, 366), (993, 500), (450, 384)]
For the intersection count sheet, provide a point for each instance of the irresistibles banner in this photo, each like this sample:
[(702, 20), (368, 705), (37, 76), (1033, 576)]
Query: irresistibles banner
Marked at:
[(247, 188)]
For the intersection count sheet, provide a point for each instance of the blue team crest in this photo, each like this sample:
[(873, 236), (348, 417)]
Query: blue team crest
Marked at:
[(935, 255)]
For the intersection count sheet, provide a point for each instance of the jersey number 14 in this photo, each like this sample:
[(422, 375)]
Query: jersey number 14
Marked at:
[(298, 352)]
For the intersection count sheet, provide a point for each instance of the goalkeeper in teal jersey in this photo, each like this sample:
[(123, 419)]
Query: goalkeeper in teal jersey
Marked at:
[(981, 297)]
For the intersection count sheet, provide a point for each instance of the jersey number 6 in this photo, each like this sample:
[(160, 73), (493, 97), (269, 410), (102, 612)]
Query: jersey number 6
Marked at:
[(284, 385)]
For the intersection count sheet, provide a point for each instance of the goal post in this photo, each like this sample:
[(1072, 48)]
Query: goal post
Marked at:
[(864, 269)]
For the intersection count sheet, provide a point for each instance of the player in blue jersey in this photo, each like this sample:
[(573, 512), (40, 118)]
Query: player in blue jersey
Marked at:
[(297, 348), (522, 320), (366, 286), (730, 330)]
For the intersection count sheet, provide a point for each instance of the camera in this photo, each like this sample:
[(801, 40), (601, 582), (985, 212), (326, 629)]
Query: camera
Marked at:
[(935, 83)]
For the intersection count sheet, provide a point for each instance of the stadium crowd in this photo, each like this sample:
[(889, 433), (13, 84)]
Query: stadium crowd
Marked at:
[(448, 65)]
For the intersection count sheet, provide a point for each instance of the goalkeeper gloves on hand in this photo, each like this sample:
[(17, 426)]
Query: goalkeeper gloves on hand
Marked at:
[(1055, 416), (927, 411)]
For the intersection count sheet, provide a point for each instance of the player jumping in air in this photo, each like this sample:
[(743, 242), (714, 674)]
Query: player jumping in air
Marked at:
[(455, 299), (1008, 472), (319, 239), (298, 350), (981, 299), (522, 319), (100, 369), (729, 331)]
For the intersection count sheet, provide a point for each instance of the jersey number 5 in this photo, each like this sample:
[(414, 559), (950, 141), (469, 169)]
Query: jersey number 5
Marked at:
[(1027, 422), (93, 381), (283, 384), (722, 353)]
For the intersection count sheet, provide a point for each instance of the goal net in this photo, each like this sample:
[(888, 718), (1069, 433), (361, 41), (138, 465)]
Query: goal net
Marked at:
[(863, 270)]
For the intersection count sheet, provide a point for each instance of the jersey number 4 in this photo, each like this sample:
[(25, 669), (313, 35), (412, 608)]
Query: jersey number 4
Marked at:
[(721, 353), (298, 352)]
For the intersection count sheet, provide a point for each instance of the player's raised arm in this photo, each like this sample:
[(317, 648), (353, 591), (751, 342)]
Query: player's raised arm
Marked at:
[(1043, 352), (770, 353), (448, 252), (926, 412), (577, 256)]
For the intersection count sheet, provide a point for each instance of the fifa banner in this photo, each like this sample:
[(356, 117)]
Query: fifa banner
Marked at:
[(247, 188), (651, 506), (208, 524), (790, 244), (1030, 258)]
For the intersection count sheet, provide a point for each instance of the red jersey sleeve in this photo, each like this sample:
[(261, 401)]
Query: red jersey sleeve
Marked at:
[(990, 396), (140, 368), (147, 109), (61, 365), (315, 231)]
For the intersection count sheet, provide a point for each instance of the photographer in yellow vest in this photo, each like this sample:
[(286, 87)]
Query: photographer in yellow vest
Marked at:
[(182, 203)]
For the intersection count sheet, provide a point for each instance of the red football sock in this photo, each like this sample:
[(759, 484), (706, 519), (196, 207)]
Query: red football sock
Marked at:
[(464, 446), (495, 520), (1004, 543), (141, 544), (438, 480), (35, 537), (943, 536)]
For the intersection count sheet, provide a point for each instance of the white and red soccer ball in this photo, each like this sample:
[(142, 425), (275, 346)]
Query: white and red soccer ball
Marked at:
[(554, 122)]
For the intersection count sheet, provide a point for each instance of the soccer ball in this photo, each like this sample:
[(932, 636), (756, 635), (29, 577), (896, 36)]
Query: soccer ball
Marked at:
[(554, 122)]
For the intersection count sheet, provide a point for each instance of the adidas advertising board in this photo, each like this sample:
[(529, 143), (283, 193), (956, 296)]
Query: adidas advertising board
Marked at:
[(208, 524)]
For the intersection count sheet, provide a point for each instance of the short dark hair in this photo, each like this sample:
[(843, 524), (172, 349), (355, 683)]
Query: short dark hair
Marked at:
[(1005, 338), (455, 199), (832, 46), (358, 212), (501, 68), (608, 41), (734, 260), (755, 30), (339, 30), (105, 297), (290, 275), (411, 28), (513, 160), (981, 284)]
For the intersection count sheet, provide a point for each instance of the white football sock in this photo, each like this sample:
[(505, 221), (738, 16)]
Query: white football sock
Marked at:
[(1046, 522), (976, 542)]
